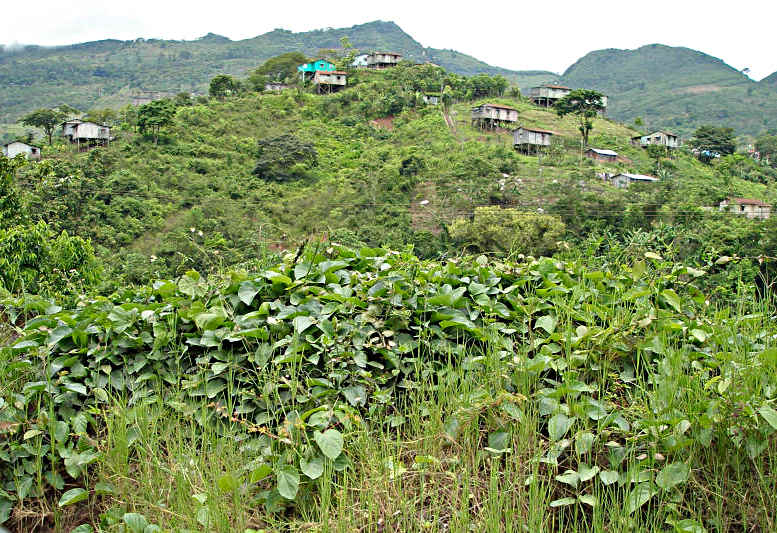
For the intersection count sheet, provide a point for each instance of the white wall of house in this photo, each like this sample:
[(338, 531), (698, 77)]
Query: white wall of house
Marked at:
[(15, 148)]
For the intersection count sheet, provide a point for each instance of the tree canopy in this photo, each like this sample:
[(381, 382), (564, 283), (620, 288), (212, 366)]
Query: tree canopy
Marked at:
[(278, 68), (154, 116), (712, 140), (222, 86), (585, 104), (284, 157), (45, 119)]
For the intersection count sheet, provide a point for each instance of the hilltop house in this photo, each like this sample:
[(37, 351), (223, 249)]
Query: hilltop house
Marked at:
[(86, 134), (548, 95), (30, 151), (623, 180), (531, 139), (308, 70), (328, 82), (360, 61), (748, 207), (662, 138), (381, 60), (607, 156), (491, 115)]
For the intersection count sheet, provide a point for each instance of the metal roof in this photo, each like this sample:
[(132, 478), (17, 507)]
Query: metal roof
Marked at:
[(603, 152), (637, 177), (536, 130), (748, 201)]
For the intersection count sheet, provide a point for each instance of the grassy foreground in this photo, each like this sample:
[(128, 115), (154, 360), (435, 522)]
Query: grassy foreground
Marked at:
[(369, 391)]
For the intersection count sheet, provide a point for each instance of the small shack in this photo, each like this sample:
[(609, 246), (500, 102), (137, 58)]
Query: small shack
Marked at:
[(623, 180), (547, 95), (661, 138), (381, 60), (755, 209), (14, 148), (86, 134), (308, 70), (492, 115), (606, 156), (531, 139), (432, 98), (360, 61), (329, 82)]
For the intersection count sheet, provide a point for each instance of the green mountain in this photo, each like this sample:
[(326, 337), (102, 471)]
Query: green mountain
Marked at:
[(677, 89), (105, 73)]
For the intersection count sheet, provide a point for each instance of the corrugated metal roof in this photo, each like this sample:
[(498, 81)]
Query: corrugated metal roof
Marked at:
[(603, 152), (499, 106), (748, 201), (637, 177), (536, 130)]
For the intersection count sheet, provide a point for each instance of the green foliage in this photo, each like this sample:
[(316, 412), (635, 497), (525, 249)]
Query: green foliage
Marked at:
[(713, 139), (222, 86), (585, 104), (282, 68), (11, 211), (284, 157), (45, 119), (508, 230), (154, 116), (766, 145)]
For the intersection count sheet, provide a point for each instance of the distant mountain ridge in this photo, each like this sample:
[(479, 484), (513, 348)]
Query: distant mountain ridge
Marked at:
[(677, 88), (104, 73)]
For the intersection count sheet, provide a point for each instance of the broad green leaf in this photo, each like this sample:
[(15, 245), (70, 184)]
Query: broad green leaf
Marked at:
[(559, 425), (301, 323), (135, 522), (672, 475), (588, 499), (260, 473), (73, 496), (585, 472), (639, 496), (769, 414), (562, 502), (688, 526), (247, 292), (83, 528), (330, 442), (228, 483), (547, 322), (313, 467), (584, 442), (672, 299), (499, 440), (288, 481), (570, 477), (608, 477)]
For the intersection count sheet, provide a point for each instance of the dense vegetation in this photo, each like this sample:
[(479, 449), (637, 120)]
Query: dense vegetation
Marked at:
[(270, 320), (106, 73)]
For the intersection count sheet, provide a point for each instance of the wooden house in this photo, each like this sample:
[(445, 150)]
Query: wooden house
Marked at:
[(624, 179), (662, 138), (492, 115), (360, 61), (607, 156), (531, 139), (748, 207), (308, 70), (86, 134), (329, 82), (381, 60), (30, 151), (432, 98), (547, 95)]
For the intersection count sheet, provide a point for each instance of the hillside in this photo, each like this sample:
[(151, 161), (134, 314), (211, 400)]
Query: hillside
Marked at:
[(677, 89), (105, 73)]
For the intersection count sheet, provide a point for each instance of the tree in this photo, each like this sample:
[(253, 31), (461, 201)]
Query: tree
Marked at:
[(284, 157), (10, 203), (711, 140), (154, 116), (508, 231), (45, 119), (585, 104), (222, 86), (766, 146), (103, 116), (278, 68)]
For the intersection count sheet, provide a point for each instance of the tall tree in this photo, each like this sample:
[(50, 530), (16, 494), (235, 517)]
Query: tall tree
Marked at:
[(709, 140), (585, 104), (45, 119), (278, 68), (10, 204), (766, 146), (154, 116), (222, 86)]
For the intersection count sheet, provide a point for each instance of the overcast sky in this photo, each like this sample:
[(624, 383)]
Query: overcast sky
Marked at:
[(515, 35)]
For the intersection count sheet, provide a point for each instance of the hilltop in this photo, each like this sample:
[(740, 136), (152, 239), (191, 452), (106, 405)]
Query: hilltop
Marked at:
[(105, 73), (676, 88)]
